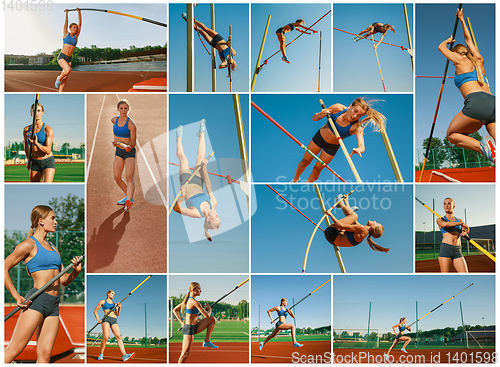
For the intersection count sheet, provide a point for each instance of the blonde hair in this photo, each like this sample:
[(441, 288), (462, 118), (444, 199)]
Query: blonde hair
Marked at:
[(108, 292), (32, 108), (210, 225), (389, 27), (283, 299), (38, 212), (464, 51), (373, 117), (192, 286), (401, 319), (72, 24), (123, 101), (376, 233), (300, 21)]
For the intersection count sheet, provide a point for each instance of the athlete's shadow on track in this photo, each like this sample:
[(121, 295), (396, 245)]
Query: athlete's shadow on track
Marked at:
[(103, 245)]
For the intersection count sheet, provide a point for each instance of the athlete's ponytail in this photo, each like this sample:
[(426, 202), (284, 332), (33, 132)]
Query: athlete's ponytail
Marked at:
[(376, 233), (464, 51), (38, 212), (192, 286)]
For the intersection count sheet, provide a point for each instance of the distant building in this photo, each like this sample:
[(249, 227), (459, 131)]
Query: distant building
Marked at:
[(40, 59)]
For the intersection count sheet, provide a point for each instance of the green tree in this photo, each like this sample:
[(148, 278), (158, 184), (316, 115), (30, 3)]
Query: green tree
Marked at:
[(437, 154)]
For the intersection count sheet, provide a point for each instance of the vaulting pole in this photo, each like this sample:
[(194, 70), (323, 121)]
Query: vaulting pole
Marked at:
[(257, 67), (190, 48)]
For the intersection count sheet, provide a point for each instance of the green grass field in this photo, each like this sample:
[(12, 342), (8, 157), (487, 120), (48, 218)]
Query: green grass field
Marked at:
[(300, 338), (65, 172), (421, 345), (428, 254), (225, 331)]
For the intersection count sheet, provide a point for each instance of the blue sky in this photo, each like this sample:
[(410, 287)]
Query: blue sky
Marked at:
[(301, 75), (21, 199), (63, 113), (280, 234), (235, 15), (355, 67), (100, 29), (431, 62), (275, 156), (394, 297), (153, 294), (478, 213), (212, 287), (229, 250), (314, 311)]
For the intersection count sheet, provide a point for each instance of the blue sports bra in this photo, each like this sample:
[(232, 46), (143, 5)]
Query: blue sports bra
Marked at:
[(43, 259), (40, 136), (282, 312), (467, 77), (68, 40), (292, 27), (344, 131), (377, 28), (121, 131), (192, 311), (224, 53), (402, 328), (107, 306), (350, 238), (197, 200), (453, 229)]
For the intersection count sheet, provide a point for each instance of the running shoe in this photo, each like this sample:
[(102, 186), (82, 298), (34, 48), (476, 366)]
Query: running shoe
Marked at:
[(100, 358), (354, 208), (403, 350), (122, 201), (128, 205), (126, 357), (285, 59), (203, 127), (178, 131), (210, 345), (297, 345), (184, 16), (261, 345), (488, 148), (339, 199), (58, 83), (386, 356), (356, 38)]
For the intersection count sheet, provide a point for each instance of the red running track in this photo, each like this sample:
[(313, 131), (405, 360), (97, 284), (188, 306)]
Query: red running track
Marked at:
[(71, 332), (475, 264), (133, 242), (284, 352), (226, 353), (142, 355), (78, 81), (414, 356), (480, 174)]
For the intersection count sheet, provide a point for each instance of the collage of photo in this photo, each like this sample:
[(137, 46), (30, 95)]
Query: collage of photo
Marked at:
[(249, 183)]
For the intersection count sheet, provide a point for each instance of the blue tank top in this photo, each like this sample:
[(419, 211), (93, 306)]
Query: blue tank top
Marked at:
[(192, 311), (453, 229), (40, 136), (68, 40), (43, 259), (197, 200), (121, 131), (282, 312), (350, 238), (107, 306), (344, 131), (292, 27), (467, 77)]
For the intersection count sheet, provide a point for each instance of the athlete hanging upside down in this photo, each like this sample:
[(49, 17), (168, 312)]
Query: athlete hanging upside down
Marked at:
[(42, 165), (125, 132), (347, 121), (70, 38), (348, 232), (43, 263), (450, 250), (280, 33), (192, 326), (399, 336), (280, 325), (479, 103), (214, 39), (109, 321), (373, 29), (198, 204)]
